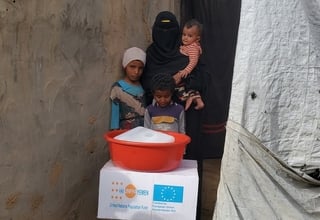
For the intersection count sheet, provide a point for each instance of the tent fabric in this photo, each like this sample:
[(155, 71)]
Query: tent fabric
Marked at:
[(272, 146), (275, 89), (256, 184)]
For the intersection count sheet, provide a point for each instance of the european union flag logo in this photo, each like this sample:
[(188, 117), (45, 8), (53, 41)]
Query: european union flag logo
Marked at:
[(166, 193)]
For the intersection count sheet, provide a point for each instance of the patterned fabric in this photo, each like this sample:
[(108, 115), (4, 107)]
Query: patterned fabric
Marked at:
[(193, 51), (170, 118), (127, 105), (184, 94)]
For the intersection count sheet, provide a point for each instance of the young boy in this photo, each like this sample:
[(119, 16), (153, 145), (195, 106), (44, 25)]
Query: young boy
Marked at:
[(163, 113), (127, 95), (191, 35)]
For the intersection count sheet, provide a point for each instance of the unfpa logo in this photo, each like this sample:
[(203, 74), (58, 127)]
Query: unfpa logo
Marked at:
[(120, 191), (130, 191)]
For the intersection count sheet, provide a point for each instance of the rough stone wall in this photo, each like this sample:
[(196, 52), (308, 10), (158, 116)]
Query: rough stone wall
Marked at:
[(58, 60)]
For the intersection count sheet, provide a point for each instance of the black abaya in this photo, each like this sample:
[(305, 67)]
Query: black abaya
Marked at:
[(163, 56), (220, 21)]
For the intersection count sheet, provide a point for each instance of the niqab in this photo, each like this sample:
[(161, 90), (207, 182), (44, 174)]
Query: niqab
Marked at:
[(163, 55)]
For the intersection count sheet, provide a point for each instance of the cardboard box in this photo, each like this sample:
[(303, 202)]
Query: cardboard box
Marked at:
[(125, 194)]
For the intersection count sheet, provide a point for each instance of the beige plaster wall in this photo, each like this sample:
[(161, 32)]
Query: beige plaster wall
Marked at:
[(58, 60)]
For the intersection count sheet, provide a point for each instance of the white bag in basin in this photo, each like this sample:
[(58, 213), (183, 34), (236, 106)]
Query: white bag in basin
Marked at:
[(145, 135)]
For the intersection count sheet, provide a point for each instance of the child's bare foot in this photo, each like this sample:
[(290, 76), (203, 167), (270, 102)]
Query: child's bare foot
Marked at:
[(199, 103)]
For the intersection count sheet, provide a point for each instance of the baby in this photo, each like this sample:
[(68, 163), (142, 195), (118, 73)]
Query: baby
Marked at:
[(191, 47)]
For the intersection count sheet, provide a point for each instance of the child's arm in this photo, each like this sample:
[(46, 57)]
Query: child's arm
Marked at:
[(128, 99), (182, 123), (115, 116), (147, 119), (193, 61)]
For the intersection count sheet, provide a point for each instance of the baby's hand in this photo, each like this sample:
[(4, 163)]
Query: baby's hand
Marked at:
[(183, 74), (177, 78)]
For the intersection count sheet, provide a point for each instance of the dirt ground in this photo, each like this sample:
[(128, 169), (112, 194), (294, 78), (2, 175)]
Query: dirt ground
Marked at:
[(211, 176)]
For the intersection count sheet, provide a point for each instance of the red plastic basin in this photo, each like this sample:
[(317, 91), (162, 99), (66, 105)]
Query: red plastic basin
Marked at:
[(147, 157)]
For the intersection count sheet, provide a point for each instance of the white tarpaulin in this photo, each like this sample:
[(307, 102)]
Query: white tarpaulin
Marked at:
[(273, 133)]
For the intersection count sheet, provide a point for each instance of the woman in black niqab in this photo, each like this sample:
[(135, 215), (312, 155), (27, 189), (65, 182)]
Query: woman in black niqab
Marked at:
[(163, 55)]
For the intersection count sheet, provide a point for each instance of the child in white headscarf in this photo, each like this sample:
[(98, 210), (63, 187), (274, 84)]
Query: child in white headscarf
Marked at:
[(127, 95)]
